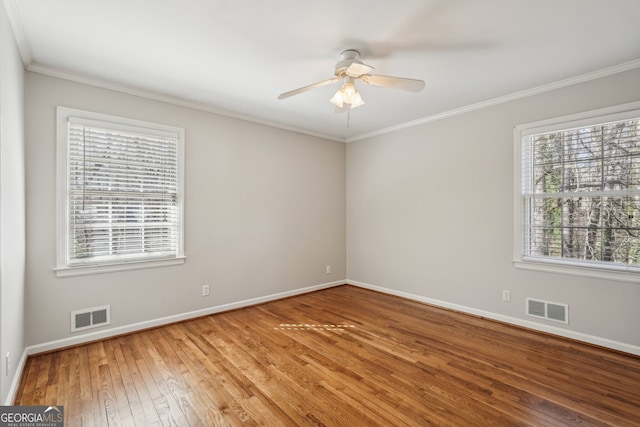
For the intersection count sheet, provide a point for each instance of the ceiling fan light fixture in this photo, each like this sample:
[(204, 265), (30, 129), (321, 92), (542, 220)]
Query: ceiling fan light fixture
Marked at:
[(357, 100), (337, 99), (349, 69), (347, 94)]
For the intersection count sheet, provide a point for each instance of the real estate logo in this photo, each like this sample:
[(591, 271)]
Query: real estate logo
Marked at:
[(31, 416)]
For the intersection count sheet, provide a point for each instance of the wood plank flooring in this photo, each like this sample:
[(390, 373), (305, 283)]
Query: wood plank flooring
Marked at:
[(343, 356)]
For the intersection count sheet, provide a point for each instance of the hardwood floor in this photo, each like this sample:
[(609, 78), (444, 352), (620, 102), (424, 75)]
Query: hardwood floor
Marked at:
[(343, 356)]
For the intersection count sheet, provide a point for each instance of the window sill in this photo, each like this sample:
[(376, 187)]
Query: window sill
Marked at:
[(83, 270), (621, 274)]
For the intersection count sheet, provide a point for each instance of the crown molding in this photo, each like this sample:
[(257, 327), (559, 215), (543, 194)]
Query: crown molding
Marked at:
[(18, 31), (609, 71), (27, 59), (105, 84)]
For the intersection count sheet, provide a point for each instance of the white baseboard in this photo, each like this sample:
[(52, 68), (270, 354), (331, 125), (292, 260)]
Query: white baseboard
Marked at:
[(120, 330), (579, 336), (111, 332), (15, 383)]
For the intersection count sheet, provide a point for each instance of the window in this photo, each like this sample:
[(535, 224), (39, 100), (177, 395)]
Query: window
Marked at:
[(119, 193), (578, 194)]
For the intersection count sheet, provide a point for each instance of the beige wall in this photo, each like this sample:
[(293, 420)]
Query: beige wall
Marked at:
[(12, 207), (430, 214), (264, 214)]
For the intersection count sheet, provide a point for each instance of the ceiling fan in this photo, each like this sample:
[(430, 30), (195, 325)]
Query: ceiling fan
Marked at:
[(350, 69)]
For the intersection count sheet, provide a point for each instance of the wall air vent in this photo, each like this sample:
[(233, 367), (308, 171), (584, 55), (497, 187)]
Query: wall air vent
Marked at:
[(548, 310), (90, 318)]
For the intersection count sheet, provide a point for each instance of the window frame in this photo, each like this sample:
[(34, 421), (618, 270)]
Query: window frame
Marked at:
[(555, 265), (63, 269)]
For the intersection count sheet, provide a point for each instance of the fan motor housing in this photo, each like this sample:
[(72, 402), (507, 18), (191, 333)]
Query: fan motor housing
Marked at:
[(348, 57)]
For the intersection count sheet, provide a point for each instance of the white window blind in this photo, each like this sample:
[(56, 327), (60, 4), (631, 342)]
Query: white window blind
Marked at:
[(581, 194), (123, 193)]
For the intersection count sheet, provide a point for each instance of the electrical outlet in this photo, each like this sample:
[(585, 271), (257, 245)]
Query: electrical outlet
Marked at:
[(328, 269), (506, 295), (205, 290)]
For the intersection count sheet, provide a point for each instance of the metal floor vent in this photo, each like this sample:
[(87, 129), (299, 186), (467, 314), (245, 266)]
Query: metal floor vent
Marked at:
[(90, 318), (548, 310)]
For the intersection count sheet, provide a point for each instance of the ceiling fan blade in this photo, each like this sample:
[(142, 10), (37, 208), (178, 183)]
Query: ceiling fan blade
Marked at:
[(309, 87), (357, 69), (411, 85)]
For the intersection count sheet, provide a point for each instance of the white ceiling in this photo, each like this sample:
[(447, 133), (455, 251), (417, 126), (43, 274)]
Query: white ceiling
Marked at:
[(236, 56)]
